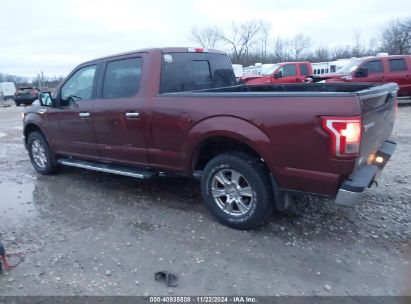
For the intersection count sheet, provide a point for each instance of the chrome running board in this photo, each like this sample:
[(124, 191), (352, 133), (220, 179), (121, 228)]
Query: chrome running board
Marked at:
[(107, 168)]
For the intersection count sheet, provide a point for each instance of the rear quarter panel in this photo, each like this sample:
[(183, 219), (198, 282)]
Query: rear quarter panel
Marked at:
[(285, 131)]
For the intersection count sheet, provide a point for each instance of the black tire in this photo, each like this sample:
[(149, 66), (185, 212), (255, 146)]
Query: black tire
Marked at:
[(17, 103), (50, 166), (254, 174)]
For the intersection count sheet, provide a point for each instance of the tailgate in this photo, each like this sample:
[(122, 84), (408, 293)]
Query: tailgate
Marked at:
[(378, 107)]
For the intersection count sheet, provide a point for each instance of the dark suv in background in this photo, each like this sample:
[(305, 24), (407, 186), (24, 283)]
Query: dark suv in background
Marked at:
[(26, 95)]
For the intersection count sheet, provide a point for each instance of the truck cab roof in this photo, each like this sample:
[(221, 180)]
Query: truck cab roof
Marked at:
[(161, 50)]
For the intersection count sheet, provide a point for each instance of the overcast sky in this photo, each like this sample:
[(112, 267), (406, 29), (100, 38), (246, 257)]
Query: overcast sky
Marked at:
[(55, 35)]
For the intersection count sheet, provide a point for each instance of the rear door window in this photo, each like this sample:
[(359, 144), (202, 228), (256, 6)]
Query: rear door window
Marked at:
[(122, 78), (374, 66), (195, 71), (397, 65)]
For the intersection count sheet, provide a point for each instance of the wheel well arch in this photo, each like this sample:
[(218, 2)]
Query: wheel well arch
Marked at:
[(211, 147), (31, 127)]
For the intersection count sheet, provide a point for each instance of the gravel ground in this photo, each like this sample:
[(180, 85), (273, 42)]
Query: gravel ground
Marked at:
[(89, 233)]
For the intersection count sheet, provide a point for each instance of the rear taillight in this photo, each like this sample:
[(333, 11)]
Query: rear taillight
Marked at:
[(345, 135)]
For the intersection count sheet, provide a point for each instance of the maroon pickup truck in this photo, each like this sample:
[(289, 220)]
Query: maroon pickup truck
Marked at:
[(179, 110)]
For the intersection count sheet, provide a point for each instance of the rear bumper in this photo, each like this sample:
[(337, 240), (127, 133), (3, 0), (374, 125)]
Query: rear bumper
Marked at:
[(352, 188), (25, 100)]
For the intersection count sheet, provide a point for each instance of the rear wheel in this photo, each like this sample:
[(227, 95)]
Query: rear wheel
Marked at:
[(17, 103), (41, 156), (236, 188)]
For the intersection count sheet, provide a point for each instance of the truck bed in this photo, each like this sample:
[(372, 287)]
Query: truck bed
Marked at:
[(278, 113), (298, 89)]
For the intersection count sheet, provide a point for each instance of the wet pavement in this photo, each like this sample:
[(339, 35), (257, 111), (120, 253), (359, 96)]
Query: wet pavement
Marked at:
[(90, 233)]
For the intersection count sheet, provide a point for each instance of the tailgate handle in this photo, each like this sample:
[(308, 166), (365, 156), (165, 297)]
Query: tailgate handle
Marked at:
[(84, 114)]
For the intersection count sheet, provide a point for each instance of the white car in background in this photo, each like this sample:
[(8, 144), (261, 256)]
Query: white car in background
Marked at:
[(7, 89)]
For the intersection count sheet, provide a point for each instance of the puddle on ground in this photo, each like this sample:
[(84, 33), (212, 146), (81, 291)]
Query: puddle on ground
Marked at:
[(16, 200)]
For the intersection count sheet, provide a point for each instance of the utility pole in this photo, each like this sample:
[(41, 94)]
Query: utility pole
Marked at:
[(42, 81), (1, 99)]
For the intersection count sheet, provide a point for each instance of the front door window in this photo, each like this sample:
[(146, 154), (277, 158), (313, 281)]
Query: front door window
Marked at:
[(79, 86)]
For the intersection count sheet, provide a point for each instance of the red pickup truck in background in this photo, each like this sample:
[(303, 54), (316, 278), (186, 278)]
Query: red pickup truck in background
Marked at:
[(379, 69), (180, 110), (284, 72)]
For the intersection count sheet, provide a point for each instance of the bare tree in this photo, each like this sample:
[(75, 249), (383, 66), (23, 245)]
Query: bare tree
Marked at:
[(265, 33), (373, 48), (321, 53), (241, 38), (358, 49), (281, 49), (206, 37), (396, 37), (299, 45), (341, 52)]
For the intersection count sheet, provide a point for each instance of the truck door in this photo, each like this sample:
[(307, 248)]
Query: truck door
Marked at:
[(375, 72), (75, 133), (287, 74), (119, 117), (399, 72)]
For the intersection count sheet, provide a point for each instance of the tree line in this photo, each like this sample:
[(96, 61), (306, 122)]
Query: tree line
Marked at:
[(250, 42)]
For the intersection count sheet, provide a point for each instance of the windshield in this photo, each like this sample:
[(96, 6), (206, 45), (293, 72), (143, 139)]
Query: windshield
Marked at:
[(351, 66), (268, 69)]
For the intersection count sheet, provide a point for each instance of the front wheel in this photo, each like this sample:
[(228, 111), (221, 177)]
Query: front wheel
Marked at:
[(41, 156), (236, 188)]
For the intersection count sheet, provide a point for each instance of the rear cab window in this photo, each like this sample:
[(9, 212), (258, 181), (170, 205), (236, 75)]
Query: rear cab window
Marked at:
[(304, 69), (374, 66), (397, 65), (195, 71)]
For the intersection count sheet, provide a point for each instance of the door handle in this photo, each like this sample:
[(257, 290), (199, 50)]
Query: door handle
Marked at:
[(84, 114), (132, 114)]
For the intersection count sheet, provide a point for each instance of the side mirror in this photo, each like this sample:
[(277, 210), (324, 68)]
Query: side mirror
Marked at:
[(279, 74), (46, 99), (361, 72)]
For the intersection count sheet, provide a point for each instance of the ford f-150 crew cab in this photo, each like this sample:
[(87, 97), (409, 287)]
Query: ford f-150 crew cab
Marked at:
[(180, 110)]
